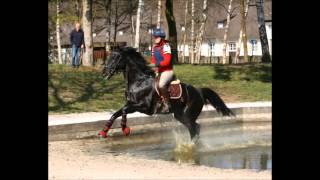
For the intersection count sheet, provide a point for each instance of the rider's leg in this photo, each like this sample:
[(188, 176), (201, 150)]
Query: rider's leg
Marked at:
[(165, 78)]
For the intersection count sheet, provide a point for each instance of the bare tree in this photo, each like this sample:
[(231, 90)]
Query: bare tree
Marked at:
[(116, 18), (58, 32), (201, 31), (120, 15), (107, 6), (159, 14), (244, 30), (241, 35), (116, 13), (137, 37), (191, 56), (225, 37), (185, 31), (262, 32), (172, 30), (132, 22), (78, 10), (87, 29)]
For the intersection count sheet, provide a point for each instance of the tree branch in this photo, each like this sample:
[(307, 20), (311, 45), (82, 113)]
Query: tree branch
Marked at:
[(120, 22), (222, 6)]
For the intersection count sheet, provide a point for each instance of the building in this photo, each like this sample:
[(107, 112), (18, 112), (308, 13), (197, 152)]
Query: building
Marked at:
[(211, 48)]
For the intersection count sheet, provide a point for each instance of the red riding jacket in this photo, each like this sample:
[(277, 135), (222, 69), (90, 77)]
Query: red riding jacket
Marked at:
[(161, 56)]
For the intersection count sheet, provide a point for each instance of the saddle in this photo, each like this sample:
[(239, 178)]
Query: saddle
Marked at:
[(174, 89)]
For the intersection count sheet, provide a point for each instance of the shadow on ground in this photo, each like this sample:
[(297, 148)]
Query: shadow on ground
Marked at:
[(68, 89)]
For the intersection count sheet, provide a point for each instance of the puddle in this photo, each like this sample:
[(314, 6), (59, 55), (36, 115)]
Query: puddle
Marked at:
[(229, 146)]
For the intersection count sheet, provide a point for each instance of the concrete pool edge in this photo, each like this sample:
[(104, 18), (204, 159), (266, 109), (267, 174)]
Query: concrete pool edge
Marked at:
[(83, 125)]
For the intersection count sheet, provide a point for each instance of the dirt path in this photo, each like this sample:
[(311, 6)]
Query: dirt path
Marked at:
[(69, 160)]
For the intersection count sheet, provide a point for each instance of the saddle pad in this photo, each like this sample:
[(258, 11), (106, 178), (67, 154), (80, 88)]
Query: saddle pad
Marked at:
[(175, 90)]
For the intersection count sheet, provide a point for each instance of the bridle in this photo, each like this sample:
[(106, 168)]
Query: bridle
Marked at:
[(113, 70)]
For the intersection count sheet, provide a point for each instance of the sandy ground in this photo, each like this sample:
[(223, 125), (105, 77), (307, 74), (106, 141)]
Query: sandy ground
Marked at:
[(69, 160)]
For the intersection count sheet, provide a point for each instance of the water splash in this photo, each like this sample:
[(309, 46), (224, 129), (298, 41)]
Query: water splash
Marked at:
[(184, 150)]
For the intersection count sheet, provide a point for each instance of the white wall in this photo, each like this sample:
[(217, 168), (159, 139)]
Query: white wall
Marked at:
[(217, 49)]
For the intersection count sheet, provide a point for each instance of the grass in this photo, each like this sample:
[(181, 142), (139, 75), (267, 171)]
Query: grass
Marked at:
[(84, 90)]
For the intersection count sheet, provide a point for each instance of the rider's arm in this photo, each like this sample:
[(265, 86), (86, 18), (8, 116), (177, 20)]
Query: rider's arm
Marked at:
[(152, 57), (166, 55)]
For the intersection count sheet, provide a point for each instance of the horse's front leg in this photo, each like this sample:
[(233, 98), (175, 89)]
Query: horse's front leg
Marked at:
[(125, 129), (126, 110), (109, 123), (129, 108)]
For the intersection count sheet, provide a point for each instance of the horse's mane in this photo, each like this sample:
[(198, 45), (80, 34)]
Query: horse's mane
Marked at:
[(136, 58)]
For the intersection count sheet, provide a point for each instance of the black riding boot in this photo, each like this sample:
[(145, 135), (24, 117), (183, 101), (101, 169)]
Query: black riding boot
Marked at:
[(165, 99)]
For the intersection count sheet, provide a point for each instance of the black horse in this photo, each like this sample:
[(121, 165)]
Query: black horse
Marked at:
[(141, 95)]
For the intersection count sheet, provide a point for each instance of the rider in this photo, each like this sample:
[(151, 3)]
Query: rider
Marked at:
[(161, 58)]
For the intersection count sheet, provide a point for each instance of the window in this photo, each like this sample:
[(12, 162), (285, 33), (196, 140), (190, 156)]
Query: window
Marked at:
[(232, 46), (220, 25)]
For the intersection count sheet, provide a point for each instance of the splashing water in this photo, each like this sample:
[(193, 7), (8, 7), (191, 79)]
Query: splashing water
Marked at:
[(185, 149)]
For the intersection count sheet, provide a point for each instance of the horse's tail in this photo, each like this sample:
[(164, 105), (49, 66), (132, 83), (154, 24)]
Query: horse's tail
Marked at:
[(209, 96)]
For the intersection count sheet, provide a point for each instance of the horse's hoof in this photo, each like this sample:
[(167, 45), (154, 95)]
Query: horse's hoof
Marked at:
[(126, 131), (103, 134)]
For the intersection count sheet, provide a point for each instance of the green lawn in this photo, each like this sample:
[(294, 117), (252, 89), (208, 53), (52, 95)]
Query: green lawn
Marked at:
[(84, 90)]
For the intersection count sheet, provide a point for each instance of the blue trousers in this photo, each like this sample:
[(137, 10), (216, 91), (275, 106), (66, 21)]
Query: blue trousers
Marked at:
[(76, 55)]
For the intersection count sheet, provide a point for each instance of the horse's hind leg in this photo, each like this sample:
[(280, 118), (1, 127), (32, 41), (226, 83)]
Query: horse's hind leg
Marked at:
[(193, 127), (188, 118), (190, 115)]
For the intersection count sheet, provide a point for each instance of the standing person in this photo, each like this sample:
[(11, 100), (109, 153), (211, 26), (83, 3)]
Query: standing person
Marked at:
[(161, 59), (77, 42)]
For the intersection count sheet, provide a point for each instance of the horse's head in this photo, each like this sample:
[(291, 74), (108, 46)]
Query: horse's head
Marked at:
[(121, 57), (116, 63)]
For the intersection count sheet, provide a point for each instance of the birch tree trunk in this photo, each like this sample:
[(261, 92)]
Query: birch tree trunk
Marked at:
[(159, 14), (87, 29), (244, 31), (185, 31), (201, 31), (245, 49), (137, 37), (132, 25), (191, 56), (58, 32), (262, 32), (132, 31), (225, 37)]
